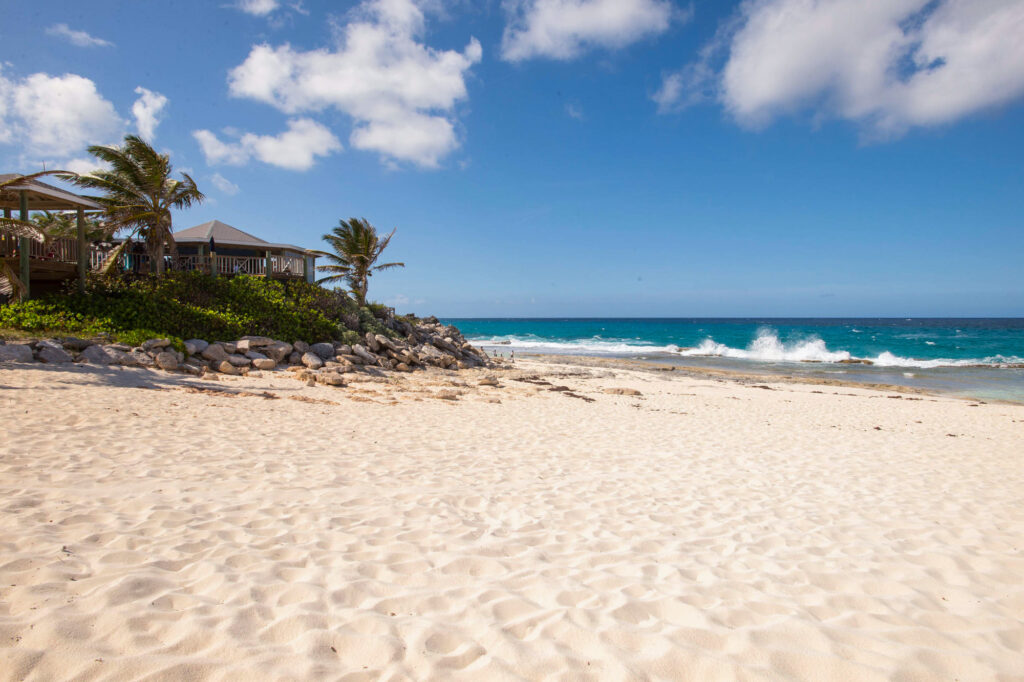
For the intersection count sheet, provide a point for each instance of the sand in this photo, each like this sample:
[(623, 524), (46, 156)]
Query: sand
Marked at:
[(156, 526)]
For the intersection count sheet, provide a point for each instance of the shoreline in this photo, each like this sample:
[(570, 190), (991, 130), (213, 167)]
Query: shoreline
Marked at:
[(544, 520)]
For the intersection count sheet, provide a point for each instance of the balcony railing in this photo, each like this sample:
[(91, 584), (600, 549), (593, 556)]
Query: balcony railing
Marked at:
[(281, 266), (57, 250)]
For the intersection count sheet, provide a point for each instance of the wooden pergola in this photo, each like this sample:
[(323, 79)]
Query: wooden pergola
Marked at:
[(32, 195)]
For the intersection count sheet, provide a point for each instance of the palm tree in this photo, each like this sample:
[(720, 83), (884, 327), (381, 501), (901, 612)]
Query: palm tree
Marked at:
[(139, 194), (10, 281), (356, 247)]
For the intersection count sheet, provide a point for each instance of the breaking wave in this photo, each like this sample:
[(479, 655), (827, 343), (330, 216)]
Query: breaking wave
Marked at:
[(766, 347)]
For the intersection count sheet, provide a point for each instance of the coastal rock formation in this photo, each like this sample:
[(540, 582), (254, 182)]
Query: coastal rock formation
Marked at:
[(406, 348)]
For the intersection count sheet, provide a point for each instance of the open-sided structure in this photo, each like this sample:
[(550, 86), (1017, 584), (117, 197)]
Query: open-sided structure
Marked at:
[(53, 260)]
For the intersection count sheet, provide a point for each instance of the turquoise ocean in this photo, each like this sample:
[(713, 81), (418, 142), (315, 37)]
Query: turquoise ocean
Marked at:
[(974, 357)]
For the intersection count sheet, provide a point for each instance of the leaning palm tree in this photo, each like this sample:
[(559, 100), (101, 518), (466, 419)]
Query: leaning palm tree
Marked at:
[(10, 280), (139, 194), (356, 247)]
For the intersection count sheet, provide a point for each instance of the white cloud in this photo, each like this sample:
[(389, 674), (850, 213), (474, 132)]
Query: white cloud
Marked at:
[(79, 38), (83, 165), (294, 149), (55, 117), (399, 91), (563, 29), (887, 66), (573, 111), (224, 185), (146, 110), (258, 8)]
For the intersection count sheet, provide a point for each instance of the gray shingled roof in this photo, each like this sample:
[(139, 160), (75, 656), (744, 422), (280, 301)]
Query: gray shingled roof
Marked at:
[(227, 235)]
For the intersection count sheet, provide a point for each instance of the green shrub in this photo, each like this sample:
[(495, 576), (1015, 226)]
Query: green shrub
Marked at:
[(194, 305)]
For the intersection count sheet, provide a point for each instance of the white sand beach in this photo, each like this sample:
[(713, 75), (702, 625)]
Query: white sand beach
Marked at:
[(155, 526)]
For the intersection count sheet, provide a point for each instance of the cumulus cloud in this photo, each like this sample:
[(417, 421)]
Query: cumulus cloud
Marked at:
[(563, 29), (224, 185), (294, 149), (258, 8), (887, 66), (146, 110), (399, 91), (79, 38), (55, 117)]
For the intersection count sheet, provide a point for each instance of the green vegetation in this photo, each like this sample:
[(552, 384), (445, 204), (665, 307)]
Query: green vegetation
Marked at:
[(194, 305), (356, 246)]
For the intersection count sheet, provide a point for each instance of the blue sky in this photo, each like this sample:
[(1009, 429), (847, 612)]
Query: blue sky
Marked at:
[(572, 157)]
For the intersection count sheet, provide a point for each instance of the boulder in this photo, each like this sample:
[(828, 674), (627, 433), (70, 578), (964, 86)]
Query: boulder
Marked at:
[(324, 350), (15, 352), (295, 358), (371, 342), (488, 381), (195, 346), (352, 359), (364, 355), (167, 361), (74, 343), (330, 379), (214, 353), (137, 358), (402, 367), (312, 360), (238, 360), (254, 355), (342, 349), (54, 355), (155, 344), (229, 347), (194, 370), (277, 351), (248, 343), (225, 367), (102, 355), (301, 346), (254, 373), (264, 363), (124, 348)]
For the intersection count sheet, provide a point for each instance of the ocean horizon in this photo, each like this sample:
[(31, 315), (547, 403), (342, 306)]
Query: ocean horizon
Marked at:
[(975, 357)]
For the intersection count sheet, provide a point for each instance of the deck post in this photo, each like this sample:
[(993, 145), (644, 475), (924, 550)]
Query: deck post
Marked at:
[(270, 266), (24, 245), (213, 263), (83, 252)]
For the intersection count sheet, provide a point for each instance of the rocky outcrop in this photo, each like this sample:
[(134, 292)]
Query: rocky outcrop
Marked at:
[(426, 344)]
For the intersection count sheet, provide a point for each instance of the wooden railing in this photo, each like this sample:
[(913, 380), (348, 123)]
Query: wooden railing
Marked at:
[(59, 250), (281, 266)]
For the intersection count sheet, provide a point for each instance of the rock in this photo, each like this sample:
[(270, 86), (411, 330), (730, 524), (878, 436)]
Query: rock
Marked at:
[(195, 346), (229, 347), (384, 342), (447, 395), (371, 342), (351, 359), (225, 367), (301, 346), (155, 344), (364, 355), (100, 355), (167, 361), (16, 352), (254, 355), (277, 351), (54, 355), (124, 348), (264, 363), (622, 391), (137, 358), (488, 381), (254, 373), (312, 360), (330, 379), (74, 343), (343, 349), (214, 352), (295, 358), (248, 343), (324, 350), (402, 367), (238, 360), (194, 370)]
